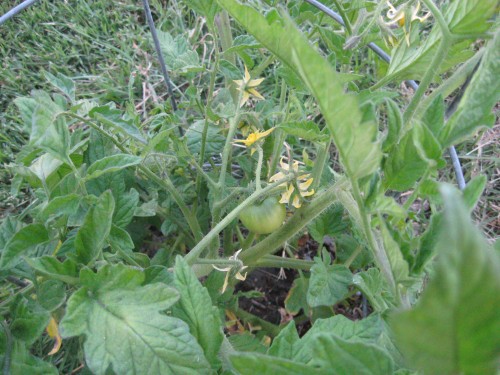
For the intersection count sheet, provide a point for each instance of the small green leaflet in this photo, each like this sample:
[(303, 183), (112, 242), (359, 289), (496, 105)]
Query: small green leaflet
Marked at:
[(111, 164)]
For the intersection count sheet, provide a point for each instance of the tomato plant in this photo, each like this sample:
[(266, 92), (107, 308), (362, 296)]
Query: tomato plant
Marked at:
[(265, 217)]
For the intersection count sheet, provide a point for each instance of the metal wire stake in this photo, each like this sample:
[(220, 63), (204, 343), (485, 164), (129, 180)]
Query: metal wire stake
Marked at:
[(11, 13), (156, 41), (384, 56)]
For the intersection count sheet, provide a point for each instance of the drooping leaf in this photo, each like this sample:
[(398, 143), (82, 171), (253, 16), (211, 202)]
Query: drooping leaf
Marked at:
[(196, 309), (124, 328), (215, 140), (452, 328), (483, 92), (111, 164), (92, 235), (296, 298), (399, 266), (23, 241)]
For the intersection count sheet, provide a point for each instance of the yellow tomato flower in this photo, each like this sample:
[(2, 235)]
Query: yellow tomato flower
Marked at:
[(236, 270), (303, 183), (247, 87), (397, 17), (252, 138)]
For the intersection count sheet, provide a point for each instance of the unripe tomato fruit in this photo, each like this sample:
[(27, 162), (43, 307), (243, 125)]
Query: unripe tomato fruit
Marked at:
[(265, 217)]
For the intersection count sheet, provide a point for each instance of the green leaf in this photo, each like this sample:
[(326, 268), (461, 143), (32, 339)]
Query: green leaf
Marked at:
[(111, 164), (283, 345), (51, 294), (196, 309), (119, 239), (179, 55), (417, 151), (21, 361), (26, 108), (125, 205), (307, 130), (483, 92), (399, 266), (329, 223), (207, 8), (473, 191), (91, 236), (222, 105), (253, 363), (214, 143), (10, 225), (29, 320), (49, 130), (243, 42), (470, 16), (114, 118), (328, 283), (49, 266), (454, 327), (375, 288), (338, 356), (356, 142), (23, 241), (62, 83), (297, 296), (428, 243), (124, 328), (434, 116), (63, 205), (394, 125)]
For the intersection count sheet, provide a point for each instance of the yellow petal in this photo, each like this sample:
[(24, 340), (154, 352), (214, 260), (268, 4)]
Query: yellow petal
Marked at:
[(53, 332), (226, 282), (307, 193), (305, 185), (296, 202), (276, 177), (255, 93), (244, 98), (239, 82), (285, 196), (255, 82)]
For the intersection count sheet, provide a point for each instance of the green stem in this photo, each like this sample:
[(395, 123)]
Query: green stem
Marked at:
[(219, 262), (167, 184), (380, 256), (258, 170), (275, 261), (319, 164), (194, 254), (342, 13), (436, 62)]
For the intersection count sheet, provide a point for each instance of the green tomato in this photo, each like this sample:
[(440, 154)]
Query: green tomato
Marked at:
[(265, 217)]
